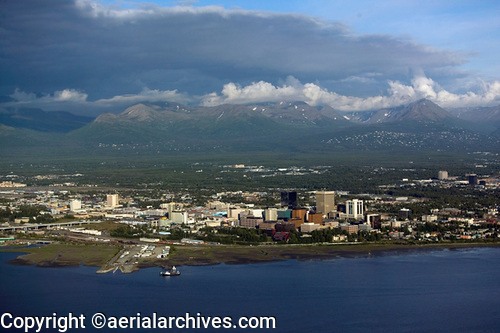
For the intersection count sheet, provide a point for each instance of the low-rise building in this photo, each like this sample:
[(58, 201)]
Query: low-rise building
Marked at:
[(308, 227), (350, 228)]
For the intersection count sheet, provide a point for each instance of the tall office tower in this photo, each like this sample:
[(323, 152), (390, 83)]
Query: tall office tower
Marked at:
[(404, 213), (472, 179), (325, 202), (354, 208), (112, 200), (170, 207), (289, 199), (374, 220), (442, 175), (270, 214), (75, 205)]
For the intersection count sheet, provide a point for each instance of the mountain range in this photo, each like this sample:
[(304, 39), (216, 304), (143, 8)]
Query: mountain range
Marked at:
[(39, 120), (285, 126)]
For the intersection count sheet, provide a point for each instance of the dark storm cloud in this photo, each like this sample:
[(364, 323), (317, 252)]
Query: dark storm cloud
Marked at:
[(57, 44), (101, 53)]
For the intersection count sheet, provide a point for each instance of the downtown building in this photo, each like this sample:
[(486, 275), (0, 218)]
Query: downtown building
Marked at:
[(325, 202), (289, 199), (354, 208), (112, 200)]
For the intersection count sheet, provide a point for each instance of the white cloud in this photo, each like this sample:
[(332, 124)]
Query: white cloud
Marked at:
[(22, 96), (487, 93), (76, 101), (67, 95), (358, 79), (257, 92), (148, 95), (397, 94)]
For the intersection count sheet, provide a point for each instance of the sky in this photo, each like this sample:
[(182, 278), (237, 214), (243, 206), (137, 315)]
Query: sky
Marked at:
[(90, 57)]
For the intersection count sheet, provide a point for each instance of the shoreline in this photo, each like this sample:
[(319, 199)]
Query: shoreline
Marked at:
[(276, 253), (232, 255)]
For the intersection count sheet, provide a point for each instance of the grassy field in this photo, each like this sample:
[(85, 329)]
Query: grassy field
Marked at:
[(59, 255), (255, 254), (105, 226)]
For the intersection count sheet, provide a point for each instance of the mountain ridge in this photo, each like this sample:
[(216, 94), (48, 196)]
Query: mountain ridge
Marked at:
[(40, 120), (287, 126), (421, 110)]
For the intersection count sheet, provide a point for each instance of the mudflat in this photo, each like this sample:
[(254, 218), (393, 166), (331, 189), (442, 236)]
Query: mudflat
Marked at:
[(64, 255)]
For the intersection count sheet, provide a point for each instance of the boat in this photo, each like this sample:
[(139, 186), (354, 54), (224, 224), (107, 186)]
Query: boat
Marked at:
[(171, 272)]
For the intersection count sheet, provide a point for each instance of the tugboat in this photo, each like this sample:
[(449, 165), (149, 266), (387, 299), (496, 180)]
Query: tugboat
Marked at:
[(171, 272)]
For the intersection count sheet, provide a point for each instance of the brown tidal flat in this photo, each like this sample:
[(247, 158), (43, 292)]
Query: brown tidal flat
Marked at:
[(202, 255), (64, 255)]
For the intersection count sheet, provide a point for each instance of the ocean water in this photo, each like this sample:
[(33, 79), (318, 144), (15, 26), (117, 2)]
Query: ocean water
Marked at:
[(438, 290)]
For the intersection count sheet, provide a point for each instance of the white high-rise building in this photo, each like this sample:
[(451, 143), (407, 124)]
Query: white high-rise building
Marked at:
[(112, 200), (442, 175), (169, 206), (179, 217), (325, 202), (75, 205), (354, 208)]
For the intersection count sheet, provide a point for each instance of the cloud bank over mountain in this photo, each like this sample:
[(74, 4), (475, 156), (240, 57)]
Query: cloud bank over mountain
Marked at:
[(89, 57), (397, 94)]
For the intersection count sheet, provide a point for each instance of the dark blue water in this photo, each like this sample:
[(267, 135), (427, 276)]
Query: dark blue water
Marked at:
[(411, 291)]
